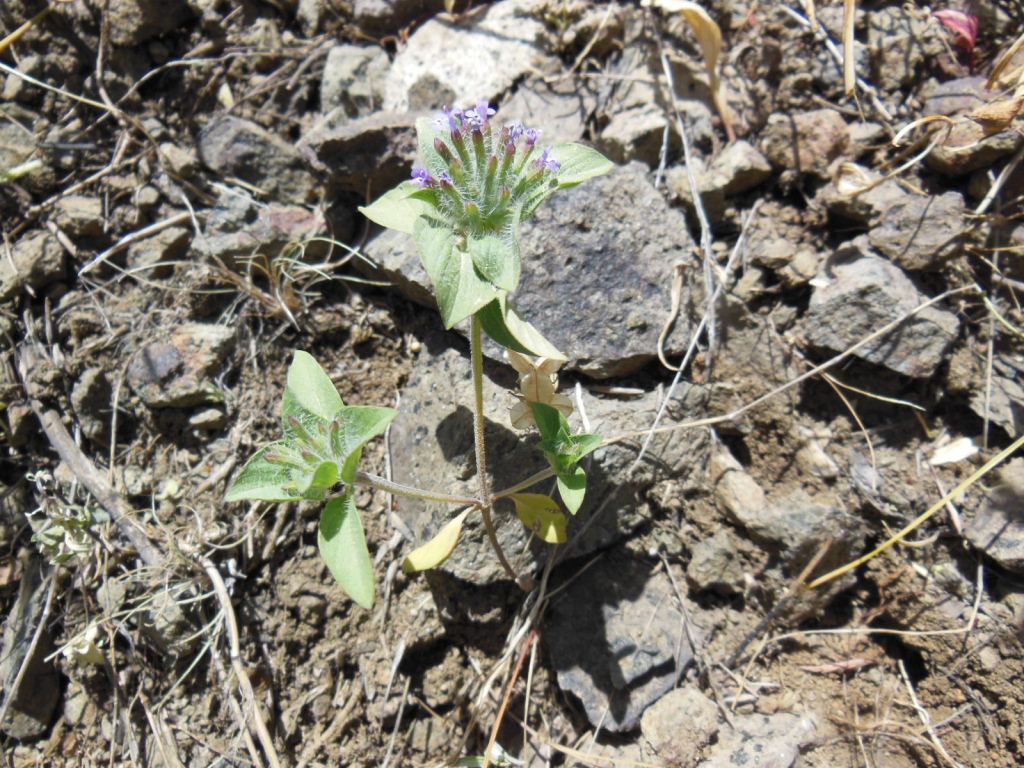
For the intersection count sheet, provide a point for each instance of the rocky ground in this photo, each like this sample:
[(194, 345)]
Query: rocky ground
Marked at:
[(178, 186)]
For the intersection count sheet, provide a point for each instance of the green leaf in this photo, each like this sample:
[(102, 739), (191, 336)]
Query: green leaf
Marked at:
[(550, 422), (503, 324), (438, 549), (261, 480), (398, 208), (343, 548), (459, 289), (321, 480), (541, 515), (579, 163), (496, 259), (572, 487), (312, 388)]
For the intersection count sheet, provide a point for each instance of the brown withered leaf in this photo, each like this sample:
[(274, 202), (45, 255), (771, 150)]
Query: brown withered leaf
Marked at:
[(996, 116)]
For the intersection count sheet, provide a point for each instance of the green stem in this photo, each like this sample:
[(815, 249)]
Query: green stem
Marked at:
[(397, 489), (477, 359), (533, 479)]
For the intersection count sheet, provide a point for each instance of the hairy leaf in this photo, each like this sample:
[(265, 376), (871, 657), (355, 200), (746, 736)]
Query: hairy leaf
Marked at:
[(261, 480), (503, 324), (496, 259), (459, 289), (398, 208), (343, 548)]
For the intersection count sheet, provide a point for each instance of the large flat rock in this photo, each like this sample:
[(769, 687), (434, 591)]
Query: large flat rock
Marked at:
[(598, 261), (432, 447)]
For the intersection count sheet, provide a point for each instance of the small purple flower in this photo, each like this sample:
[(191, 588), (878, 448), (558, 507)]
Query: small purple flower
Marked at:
[(531, 137), (548, 162), (421, 177), (515, 130), (477, 117), (444, 178)]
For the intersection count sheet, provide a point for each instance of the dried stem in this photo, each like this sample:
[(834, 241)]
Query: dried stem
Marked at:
[(398, 489)]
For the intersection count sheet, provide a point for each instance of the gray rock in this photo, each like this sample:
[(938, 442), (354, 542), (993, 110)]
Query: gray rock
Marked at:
[(865, 292), (178, 372), (710, 187), (157, 252), (997, 528), (679, 725), (617, 640), (208, 419), (135, 21), (31, 706), (90, 397), (955, 97), (480, 57), (181, 161), (561, 108), (740, 167), (236, 227), (79, 215), (432, 447), (597, 264), (354, 79), (377, 150), (715, 565), (36, 260), (922, 233), (1004, 403), (902, 45), (383, 16), (805, 142), (967, 148), (235, 147), (762, 740), (857, 193)]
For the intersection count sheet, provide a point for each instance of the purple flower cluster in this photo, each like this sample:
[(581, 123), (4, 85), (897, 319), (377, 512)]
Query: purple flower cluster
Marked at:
[(480, 173)]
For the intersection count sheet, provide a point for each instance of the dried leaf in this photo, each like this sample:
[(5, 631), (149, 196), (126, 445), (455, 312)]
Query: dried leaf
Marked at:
[(538, 383), (953, 452), (1003, 62), (709, 37), (541, 515), (997, 115)]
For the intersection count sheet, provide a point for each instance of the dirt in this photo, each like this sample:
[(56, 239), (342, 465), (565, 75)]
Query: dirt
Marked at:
[(912, 660)]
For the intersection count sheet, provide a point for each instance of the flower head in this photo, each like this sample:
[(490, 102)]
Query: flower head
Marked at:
[(421, 177), (545, 161)]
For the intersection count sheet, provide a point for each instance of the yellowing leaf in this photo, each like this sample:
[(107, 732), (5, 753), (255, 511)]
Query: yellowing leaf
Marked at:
[(709, 37), (541, 515), (438, 549)]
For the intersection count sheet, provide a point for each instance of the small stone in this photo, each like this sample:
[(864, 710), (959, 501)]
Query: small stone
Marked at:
[(762, 740), (36, 260), (457, 64), (679, 725), (159, 251), (997, 527), (379, 17), (135, 21), (598, 649), (208, 419), (955, 97), (737, 492), (715, 565), (740, 167), (21, 422), (802, 267), (636, 134), (710, 187), (235, 147), (310, 14), (806, 142), (79, 216), (561, 107), (967, 148), (376, 151), (236, 227), (177, 373), (181, 161), (922, 233), (856, 193), (354, 79), (865, 292), (90, 398)]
